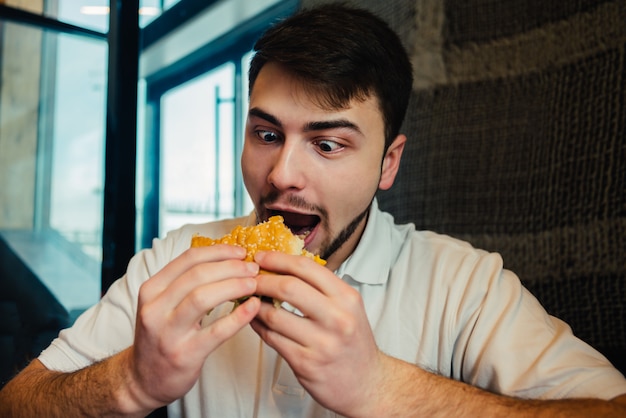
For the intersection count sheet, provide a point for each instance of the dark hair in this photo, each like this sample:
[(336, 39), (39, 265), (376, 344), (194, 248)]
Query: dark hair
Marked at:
[(341, 53)]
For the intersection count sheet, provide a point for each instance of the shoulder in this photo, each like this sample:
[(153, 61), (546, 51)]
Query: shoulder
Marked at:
[(405, 237), (446, 251), (448, 268)]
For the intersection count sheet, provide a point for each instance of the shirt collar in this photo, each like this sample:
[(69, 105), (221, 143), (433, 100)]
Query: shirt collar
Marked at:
[(370, 262)]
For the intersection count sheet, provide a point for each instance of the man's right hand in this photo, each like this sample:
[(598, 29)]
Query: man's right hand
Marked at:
[(169, 349), (170, 343)]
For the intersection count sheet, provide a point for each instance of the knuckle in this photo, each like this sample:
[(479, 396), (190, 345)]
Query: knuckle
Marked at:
[(191, 255), (145, 317), (197, 299), (274, 316), (176, 357), (145, 291), (302, 263), (218, 331), (352, 297), (237, 267), (193, 275), (287, 287), (347, 327), (271, 317)]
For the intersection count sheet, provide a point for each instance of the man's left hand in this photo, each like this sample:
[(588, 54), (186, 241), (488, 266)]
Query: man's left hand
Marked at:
[(331, 347)]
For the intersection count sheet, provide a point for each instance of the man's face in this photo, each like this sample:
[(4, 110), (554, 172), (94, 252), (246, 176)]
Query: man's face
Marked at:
[(317, 168)]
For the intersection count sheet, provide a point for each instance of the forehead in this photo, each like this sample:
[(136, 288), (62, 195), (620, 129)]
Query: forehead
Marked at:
[(277, 90)]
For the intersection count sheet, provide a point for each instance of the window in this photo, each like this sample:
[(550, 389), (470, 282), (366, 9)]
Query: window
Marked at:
[(52, 126), (197, 126), (194, 117)]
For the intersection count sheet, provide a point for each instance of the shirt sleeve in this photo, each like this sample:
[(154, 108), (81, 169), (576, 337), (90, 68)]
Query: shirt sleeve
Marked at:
[(108, 327), (509, 344)]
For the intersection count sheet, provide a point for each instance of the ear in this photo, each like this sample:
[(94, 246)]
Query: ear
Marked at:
[(391, 162)]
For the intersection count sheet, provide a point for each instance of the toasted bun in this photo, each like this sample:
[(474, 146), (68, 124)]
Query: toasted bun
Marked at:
[(272, 235)]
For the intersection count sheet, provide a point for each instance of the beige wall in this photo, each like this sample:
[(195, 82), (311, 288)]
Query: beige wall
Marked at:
[(20, 51), (34, 6)]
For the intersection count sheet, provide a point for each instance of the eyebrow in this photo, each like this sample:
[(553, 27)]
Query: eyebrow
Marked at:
[(310, 126), (255, 111)]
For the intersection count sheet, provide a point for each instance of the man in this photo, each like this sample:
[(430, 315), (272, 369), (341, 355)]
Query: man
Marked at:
[(399, 323)]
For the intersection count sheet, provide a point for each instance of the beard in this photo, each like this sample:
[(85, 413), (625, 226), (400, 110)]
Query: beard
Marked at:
[(330, 245), (344, 235)]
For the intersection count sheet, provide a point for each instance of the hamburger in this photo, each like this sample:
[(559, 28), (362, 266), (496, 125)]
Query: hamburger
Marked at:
[(271, 235)]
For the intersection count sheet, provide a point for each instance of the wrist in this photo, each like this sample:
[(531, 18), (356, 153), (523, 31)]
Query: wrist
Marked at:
[(393, 391), (376, 398), (131, 398)]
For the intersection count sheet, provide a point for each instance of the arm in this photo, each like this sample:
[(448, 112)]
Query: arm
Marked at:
[(169, 348), (406, 390), (37, 391), (331, 350)]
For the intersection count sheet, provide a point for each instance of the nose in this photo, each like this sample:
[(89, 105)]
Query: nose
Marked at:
[(287, 172)]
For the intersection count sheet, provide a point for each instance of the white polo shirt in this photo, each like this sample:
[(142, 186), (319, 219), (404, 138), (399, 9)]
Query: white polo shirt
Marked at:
[(431, 300)]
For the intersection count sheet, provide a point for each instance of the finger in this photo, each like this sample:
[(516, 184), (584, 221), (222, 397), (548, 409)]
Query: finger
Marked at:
[(188, 259), (287, 347), (194, 306), (311, 302), (204, 274), (293, 290), (278, 324), (225, 327), (305, 268)]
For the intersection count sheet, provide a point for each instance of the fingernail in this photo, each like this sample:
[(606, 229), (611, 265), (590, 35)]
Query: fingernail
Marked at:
[(253, 268), (252, 304), (259, 256)]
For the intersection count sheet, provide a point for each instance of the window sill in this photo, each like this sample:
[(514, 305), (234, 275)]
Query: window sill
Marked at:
[(71, 277)]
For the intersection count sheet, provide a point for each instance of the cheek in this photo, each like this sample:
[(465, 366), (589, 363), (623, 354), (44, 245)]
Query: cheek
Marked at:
[(353, 188), (363, 179), (249, 171)]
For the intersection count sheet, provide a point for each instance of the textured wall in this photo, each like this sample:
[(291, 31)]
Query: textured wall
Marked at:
[(517, 143)]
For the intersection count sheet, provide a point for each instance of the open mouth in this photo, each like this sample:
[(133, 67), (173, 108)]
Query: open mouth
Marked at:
[(299, 224)]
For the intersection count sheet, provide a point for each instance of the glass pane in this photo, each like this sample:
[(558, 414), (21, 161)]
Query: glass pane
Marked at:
[(94, 14), (148, 11), (52, 105), (170, 3), (78, 137), (197, 170), (90, 14)]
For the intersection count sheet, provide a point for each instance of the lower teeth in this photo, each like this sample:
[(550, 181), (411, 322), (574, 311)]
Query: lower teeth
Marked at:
[(304, 234)]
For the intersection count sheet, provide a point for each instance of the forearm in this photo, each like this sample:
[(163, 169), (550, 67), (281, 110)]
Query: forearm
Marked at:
[(103, 389), (407, 390)]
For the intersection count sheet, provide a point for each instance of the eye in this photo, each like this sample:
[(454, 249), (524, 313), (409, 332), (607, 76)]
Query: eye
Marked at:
[(328, 146), (267, 136)]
